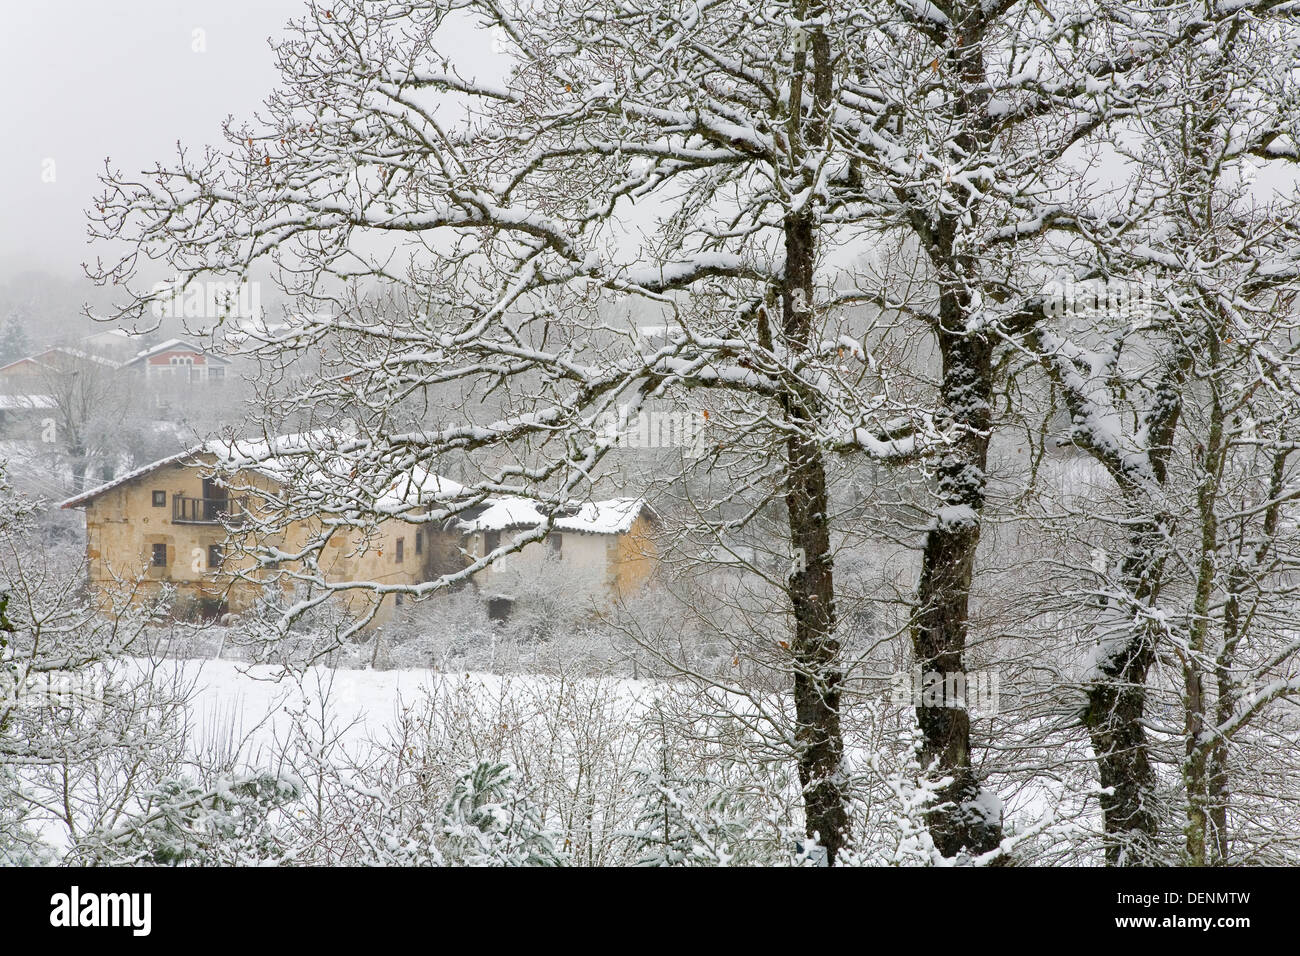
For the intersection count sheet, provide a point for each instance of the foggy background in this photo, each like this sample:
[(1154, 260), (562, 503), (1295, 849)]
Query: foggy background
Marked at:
[(89, 80)]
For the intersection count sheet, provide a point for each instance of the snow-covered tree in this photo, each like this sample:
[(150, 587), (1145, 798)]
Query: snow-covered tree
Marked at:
[(488, 821), (751, 175), (1179, 383), (181, 824), (14, 343)]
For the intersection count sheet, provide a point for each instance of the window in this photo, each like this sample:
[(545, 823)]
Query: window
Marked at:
[(216, 375), (491, 541), (399, 600), (555, 542), (160, 499), (400, 555), (499, 608), (215, 556), (160, 555), (419, 542)]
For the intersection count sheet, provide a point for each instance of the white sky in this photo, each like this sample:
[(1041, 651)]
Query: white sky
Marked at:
[(89, 79)]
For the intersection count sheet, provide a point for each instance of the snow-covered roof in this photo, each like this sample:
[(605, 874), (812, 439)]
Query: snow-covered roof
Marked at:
[(268, 453), (276, 458), (117, 336), (172, 345), (84, 356), (79, 354), (9, 365), (284, 459), (86, 496), (252, 454), (615, 516), (418, 487)]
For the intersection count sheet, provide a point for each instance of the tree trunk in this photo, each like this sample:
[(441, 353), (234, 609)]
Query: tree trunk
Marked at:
[(1220, 794), (1114, 718), (811, 588), (1196, 762), (966, 819), (815, 650), (961, 821)]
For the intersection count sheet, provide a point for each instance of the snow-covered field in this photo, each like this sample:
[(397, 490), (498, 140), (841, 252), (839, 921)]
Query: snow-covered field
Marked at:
[(255, 704)]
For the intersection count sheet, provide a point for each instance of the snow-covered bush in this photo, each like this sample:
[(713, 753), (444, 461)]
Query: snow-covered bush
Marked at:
[(489, 821), (182, 824)]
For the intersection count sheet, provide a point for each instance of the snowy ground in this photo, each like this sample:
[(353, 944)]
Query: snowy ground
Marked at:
[(253, 704)]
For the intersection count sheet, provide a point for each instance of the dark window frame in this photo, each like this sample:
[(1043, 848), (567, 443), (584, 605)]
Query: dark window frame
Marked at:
[(499, 609), (216, 551), (159, 499), (399, 552), (155, 553)]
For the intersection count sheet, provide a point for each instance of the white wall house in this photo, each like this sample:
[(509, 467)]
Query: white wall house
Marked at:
[(177, 363), (599, 549)]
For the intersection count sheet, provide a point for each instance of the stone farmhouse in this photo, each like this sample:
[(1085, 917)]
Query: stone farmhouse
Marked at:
[(171, 523)]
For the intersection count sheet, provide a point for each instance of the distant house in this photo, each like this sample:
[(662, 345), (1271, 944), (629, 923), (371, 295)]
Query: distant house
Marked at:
[(21, 416), (113, 343), (178, 363), (32, 375), (167, 524), (596, 550)]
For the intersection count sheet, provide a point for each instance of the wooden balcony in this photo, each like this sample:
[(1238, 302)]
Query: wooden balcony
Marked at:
[(209, 510)]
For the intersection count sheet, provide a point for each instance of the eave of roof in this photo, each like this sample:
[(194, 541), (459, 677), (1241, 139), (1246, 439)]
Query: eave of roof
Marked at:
[(218, 449), (86, 496), (172, 345), (264, 457), (613, 516)]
